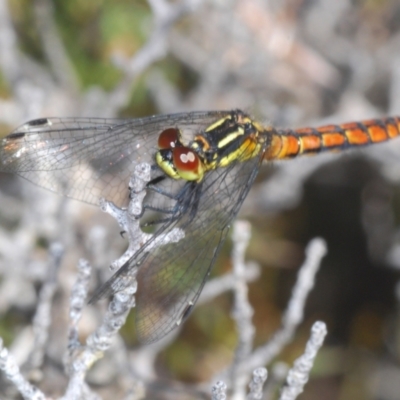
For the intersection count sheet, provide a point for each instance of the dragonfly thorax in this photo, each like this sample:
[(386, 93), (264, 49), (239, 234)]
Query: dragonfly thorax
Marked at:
[(232, 138)]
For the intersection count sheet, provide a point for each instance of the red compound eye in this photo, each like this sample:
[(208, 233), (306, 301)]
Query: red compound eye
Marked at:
[(168, 138), (187, 164)]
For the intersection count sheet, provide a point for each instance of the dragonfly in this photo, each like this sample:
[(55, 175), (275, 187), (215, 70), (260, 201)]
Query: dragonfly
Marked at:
[(203, 165)]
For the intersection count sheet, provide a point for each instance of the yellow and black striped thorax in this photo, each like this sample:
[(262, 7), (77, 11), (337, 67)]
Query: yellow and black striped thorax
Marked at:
[(234, 137)]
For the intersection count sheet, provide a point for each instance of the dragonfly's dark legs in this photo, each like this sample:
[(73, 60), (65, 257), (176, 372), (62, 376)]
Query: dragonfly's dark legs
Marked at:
[(162, 220), (159, 209), (156, 180), (152, 186), (191, 203), (185, 193)]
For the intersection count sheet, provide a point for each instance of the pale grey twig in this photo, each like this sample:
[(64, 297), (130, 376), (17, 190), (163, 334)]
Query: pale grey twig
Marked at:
[(13, 373), (256, 385), (53, 46), (224, 283), (97, 245), (42, 318), (123, 300), (9, 55), (218, 391), (129, 219), (165, 15), (315, 250), (299, 374), (294, 313), (99, 341), (79, 294), (242, 310), (27, 95), (394, 88), (87, 394), (144, 358), (131, 382), (165, 95)]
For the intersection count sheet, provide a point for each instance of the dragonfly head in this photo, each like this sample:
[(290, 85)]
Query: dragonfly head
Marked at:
[(176, 160)]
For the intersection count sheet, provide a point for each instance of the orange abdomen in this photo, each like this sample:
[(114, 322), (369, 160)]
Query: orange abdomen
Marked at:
[(289, 143)]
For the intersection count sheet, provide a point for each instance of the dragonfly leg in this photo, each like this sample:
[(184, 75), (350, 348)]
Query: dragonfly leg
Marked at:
[(159, 209), (174, 213), (182, 204), (162, 220), (162, 191)]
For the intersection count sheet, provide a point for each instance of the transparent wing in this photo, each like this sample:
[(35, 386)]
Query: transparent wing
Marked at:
[(171, 277), (87, 158)]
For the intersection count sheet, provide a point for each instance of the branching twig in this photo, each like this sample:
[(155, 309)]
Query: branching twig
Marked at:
[(224, 283), (42, 318), (10, 369), (9, 55), (256, 385), (294, 313), (128, 219), (100, 340), (242, 310), (53, 46), (165, 15), (79, 294), (83, 357), (218, 391), (300, 372)]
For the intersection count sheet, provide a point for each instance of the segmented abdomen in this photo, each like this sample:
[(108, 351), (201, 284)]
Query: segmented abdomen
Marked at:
[(289, 143)]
